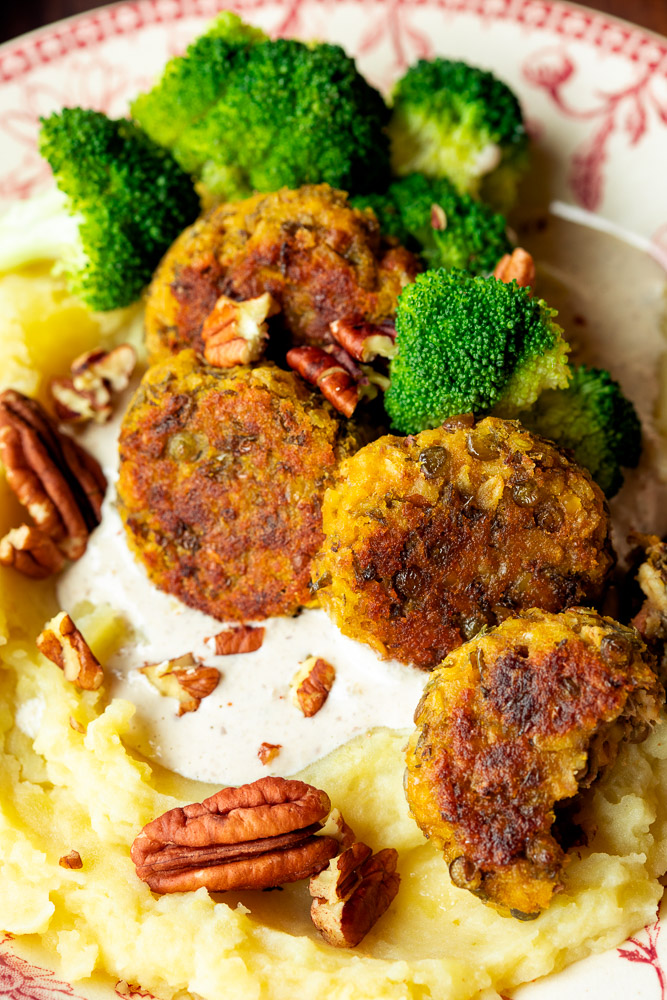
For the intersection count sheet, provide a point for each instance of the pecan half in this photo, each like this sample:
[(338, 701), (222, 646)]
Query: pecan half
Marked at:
[(62, 643), (59, 483), (320, 369), (238, 639), (31, 552), (235, 333), (365, 341), (352, 893), (72, 861), (95, 376), (254, 837), (268, 752), (310, 686), (517, 266), (184, 679)]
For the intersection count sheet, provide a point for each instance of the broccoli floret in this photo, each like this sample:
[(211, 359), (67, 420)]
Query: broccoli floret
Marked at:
[(284, 114), (458, 121), (448, 229), (595, 421), (128, 197), (191, 84), (470, 344)]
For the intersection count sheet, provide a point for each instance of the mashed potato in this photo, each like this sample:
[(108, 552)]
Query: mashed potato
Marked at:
[(70, 783)]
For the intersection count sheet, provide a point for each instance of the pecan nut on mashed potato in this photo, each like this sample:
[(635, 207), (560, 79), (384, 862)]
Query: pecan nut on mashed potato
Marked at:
[(319, 258), (510, 729), (221, 482), (431, 537)]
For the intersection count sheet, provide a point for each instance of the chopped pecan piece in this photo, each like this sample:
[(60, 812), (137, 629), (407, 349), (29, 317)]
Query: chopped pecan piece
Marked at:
[(322, 370), (254, 837), (268, 752), (517, 266), (60, 484), (31, 552), (336, 826), (352, 893), (62, 643), (311, 684), (238, 639), (438, 217), (184, 679), (95, 376), (235, 333), (71, 860), (365, 341)]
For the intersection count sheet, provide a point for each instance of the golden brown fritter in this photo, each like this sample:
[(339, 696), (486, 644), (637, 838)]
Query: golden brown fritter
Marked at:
[(431, 537), (514, 723), (319, 258), (221, 482)]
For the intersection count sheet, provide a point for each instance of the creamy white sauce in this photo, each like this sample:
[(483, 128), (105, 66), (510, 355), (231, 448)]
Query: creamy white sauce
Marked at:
[(609, 295), (251, 705)]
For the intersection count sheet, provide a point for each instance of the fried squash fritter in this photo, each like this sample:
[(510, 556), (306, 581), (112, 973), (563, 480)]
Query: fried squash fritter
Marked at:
[(429, 538), (510, 729), (319, 258), (221, 482)]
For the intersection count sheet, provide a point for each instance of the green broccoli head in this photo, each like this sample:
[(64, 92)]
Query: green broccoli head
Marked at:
[(595, 421), (128, 195), (272, 114), (457, 121), (448, 229), (191, 84), (470, 344)]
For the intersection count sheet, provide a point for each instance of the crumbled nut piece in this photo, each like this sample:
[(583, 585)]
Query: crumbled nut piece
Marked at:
[(184, 679), (268, 752), (365, 341), (238, 639), (517, 266), (76, 725), (438, 217), (333, 380), (31, 552), (254, 837), (71, 860), (336, 826), (310, 686), (95, 376), (62, 643), (352, 893), (235, 333), (59, 483)]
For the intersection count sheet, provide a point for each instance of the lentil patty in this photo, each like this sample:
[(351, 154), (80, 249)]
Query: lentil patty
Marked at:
[(514, 723), (431, 537), (319, 258), (221, 482)]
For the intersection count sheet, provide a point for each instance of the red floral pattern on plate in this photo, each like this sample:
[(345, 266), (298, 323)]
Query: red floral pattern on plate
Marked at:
[(627, 109), (646, 952), (21, 980)]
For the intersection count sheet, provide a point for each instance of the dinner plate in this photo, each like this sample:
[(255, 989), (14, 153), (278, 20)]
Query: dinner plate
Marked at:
[(594, 90)]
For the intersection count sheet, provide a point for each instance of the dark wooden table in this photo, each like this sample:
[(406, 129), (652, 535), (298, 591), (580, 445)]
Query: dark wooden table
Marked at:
[(17, 17)]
